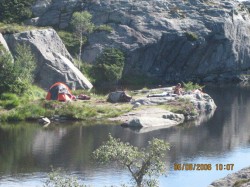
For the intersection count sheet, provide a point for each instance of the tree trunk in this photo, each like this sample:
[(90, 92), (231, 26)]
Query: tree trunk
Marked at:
[(80, 51)]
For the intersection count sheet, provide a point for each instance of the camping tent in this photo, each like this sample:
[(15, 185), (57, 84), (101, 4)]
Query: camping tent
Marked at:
[(60, 92)]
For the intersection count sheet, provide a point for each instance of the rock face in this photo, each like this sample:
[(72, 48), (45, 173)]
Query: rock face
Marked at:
[(55, 13), (53, 60), (201, 40), (242, 177)]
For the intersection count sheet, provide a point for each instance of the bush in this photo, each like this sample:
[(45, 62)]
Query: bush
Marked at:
[(106, 28), (16, 77), (191, 36), (9, 76), (140, 163), (58, 179), (71, 41), (109, 66), (9, 100), (25, 63), (15, 11), (191, 86)]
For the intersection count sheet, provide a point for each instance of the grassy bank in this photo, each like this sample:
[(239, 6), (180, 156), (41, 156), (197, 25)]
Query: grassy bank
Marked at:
[(32, 105)]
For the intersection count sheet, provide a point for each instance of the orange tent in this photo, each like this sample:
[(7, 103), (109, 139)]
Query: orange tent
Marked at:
[(59, 91)]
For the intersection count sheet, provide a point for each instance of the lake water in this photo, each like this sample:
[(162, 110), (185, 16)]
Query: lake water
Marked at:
[(27, 151)]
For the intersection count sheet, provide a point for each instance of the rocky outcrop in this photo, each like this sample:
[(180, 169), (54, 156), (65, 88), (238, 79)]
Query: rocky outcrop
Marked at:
[(152, 118), (202, 102), (238, 179), (154, 114), (201, 40), (53, 60)]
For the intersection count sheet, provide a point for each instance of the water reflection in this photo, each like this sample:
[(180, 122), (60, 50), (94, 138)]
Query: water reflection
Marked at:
[(29, 148)]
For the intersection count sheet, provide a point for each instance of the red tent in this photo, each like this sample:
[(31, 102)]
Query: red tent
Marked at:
[(59, 91)]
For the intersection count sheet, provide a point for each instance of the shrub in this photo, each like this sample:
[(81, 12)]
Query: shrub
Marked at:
[(106, 28), (191, 86), (140, 163), (9, 100), (191, 36), (9, 76), (58, 179), (15, 11), (16, 77), (109, 66), (71, 41), (25, 63)]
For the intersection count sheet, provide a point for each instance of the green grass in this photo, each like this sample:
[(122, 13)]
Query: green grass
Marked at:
[(106, 28), (180, 106), (9, 101), (14, 28), (33, 105)]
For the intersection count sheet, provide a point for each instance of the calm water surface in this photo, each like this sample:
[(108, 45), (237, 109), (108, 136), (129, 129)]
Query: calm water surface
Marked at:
[(28, 151)]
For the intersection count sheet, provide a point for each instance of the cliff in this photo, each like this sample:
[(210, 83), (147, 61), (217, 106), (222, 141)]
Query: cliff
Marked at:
[(174, 40)]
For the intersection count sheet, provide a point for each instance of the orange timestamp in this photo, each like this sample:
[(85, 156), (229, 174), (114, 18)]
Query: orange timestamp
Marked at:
[(202, 167)]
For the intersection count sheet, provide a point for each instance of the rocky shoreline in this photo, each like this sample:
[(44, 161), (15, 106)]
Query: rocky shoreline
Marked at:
[(238, 179), (151, 112)]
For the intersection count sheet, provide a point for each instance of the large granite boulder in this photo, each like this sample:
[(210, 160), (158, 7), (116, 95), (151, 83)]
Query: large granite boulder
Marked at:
[(3, 43), (173, 40), (53, 60)]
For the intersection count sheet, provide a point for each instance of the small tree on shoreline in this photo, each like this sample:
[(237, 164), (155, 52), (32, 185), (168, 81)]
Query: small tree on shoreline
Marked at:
[(143, 164)]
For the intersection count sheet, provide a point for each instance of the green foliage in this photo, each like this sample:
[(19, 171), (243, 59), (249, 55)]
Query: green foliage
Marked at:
[(71, 41), (109, 66), (106, 28), (140, 163), (81, 23), (9, 100), (16, 76), (87, 69), (58, 179), (25, 63), (9, 76), (13, 11), (191, 36), (191, 86)]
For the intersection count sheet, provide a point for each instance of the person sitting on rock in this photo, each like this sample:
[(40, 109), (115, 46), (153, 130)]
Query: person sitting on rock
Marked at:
[(178, 89)]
